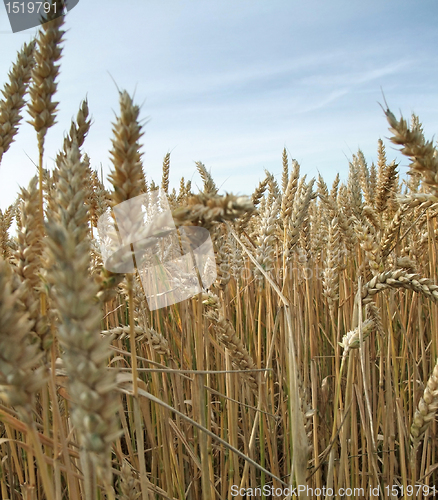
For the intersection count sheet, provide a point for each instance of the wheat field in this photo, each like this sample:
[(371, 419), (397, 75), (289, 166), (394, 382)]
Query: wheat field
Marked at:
[(308, 368)]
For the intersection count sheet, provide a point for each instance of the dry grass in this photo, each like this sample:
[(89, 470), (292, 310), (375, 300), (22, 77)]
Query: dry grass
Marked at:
[(312, 359)]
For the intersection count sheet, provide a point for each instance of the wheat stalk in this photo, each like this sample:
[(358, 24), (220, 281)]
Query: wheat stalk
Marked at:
[(85, 353), (226, 334)]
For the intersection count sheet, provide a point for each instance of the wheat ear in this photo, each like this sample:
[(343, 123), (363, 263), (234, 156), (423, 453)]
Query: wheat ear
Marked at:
[(221, 246), (332, 265), (345, 219), (285, 172), (380, 201), (337, 205), (364, 178), (299, 214), (21, 371), (128, 180), (127, 176), (209, 184), (207, 210), (266, 239), (353, 188), (127, 172), (78, 130), (256, 197), (421, 152), (128, 490), (13, 96), (42, 108), (426, 409), (288, 197), (5, 223), (351, 340), (366, 235), (28, 257), (399, 278), (20, 376), (165, 175)]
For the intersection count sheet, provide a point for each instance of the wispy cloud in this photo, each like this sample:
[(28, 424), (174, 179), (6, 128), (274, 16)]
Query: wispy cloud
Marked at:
[(325, 101), (356, 75)]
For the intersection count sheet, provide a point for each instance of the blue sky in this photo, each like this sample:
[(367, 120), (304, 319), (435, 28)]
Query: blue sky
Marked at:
[(230, 83)]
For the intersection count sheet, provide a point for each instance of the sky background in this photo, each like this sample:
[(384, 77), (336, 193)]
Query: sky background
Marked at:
[(231, 83)]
